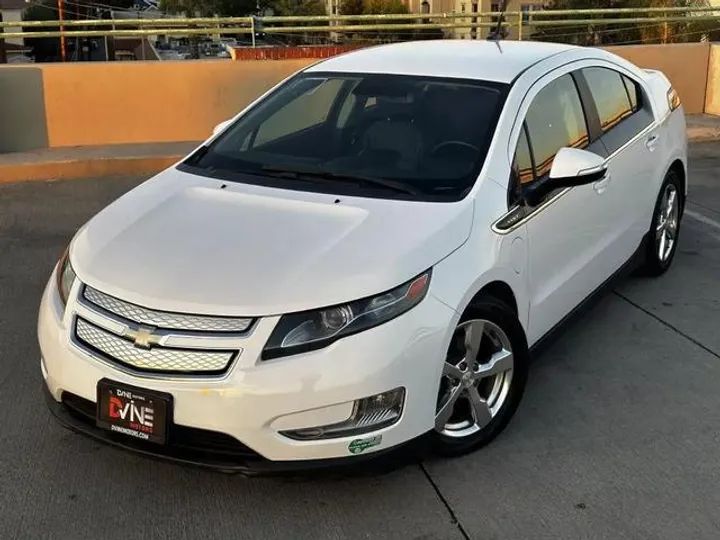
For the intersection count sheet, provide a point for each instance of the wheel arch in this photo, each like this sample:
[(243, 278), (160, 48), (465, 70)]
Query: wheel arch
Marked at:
[(499, 290), (678, 167)]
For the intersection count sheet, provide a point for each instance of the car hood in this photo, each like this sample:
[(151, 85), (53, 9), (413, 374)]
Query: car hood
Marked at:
[(187, 243)]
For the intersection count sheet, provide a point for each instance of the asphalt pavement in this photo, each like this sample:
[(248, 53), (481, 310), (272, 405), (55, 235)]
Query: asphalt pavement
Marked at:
[(618, 436)]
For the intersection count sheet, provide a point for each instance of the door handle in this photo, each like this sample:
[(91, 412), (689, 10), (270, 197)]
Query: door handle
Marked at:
[(601, 185), (651, 142)]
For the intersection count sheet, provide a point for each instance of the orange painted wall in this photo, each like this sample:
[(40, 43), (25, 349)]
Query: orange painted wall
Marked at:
[(685, 64), (712, 95), (144, 102), (137, 102)]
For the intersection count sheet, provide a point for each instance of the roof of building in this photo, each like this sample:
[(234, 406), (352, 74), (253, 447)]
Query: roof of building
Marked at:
[(12, 4), (475, 59)]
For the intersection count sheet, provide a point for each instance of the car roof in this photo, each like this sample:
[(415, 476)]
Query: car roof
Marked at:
[(457, 58)]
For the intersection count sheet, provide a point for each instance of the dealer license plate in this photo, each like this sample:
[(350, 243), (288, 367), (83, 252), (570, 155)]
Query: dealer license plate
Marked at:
[(134, 412)]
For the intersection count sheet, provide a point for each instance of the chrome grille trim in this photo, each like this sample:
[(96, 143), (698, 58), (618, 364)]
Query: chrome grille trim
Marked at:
[(157, 359), (165, 319)]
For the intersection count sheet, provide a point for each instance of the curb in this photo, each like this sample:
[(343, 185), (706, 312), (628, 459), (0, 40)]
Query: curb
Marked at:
[(116, 166), (703, 133), (86, 168)]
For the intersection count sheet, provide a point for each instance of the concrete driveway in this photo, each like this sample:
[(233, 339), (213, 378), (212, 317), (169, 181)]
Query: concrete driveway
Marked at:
[(618, 436)]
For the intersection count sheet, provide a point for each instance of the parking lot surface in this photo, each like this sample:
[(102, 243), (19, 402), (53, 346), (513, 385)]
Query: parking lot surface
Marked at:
[(618, 436)]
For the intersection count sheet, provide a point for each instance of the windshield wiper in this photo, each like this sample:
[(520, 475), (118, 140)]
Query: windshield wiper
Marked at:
[(400, 187)]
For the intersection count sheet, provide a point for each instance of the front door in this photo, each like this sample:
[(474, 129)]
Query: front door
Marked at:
[(567, 230)]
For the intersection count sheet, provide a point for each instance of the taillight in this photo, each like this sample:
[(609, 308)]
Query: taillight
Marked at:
[(673, 99)]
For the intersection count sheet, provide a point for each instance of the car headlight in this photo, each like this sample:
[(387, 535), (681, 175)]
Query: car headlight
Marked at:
[(309, 330), (65, 277)]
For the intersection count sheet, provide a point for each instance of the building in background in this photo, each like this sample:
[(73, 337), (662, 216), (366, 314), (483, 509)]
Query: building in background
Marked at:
[(526, 7), (480, 6), (12, 11)]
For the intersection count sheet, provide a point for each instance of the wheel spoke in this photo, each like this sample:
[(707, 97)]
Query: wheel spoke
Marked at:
[(663, 237), (473, 337), (452, 371), (479, 407), (670, 204), (499, 362), (445, 412)]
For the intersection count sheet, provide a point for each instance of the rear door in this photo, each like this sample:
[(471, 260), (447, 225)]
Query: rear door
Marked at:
[(631, 140)]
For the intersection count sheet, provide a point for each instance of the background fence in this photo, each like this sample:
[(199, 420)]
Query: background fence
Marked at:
[(678, 23)]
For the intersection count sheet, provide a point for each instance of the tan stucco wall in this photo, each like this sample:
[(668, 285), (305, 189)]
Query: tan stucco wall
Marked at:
[(140, 102), (712, 96), (685, 64), (134, 102)]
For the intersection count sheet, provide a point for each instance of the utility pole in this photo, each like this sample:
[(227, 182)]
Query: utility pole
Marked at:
[(3, 54), (63, 49)]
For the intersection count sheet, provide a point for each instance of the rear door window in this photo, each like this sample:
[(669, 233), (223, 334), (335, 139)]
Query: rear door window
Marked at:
[(623, 110)]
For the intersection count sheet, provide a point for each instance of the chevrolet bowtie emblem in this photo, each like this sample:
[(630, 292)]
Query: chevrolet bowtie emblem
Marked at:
[(143, 337)]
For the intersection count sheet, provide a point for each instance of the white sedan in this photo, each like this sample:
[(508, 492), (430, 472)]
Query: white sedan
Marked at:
[(365, 256)]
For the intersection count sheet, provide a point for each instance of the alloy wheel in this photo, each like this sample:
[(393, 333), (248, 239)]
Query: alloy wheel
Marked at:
[(476, 379), (667, 225)]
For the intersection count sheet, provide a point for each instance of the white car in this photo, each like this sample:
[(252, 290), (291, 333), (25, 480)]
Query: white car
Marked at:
[(365, 256)]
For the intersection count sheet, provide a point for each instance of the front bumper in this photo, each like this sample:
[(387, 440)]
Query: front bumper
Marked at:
[(233, 423), (220, 453)]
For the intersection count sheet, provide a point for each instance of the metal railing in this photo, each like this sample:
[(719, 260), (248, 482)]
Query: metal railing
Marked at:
[(339, 23)]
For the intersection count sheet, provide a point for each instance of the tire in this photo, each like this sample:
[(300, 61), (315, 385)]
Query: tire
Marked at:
[(503, 391), (654, 264)]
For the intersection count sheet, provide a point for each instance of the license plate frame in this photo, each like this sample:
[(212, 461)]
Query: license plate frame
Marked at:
[(133, 412)]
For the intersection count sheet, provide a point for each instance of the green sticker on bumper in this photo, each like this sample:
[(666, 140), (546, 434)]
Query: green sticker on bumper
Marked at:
[(360, 445)]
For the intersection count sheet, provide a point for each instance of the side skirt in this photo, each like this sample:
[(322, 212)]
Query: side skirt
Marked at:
[(625, 271)]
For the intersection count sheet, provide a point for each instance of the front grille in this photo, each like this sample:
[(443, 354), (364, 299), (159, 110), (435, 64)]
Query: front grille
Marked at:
[(180, 438), (159, 359), (165, 319), (159, 342)]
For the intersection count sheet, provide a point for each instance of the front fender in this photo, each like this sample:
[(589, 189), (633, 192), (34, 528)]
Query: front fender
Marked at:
[(486, 257)]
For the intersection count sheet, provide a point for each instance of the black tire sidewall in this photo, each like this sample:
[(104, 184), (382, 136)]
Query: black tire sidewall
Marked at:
[(495, 311)]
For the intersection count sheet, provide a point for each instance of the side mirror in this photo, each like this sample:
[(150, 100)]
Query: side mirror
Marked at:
[(574, 167), (571, 167), (220, 127)]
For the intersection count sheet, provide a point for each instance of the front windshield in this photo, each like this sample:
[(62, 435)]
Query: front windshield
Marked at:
[(427, 134)]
